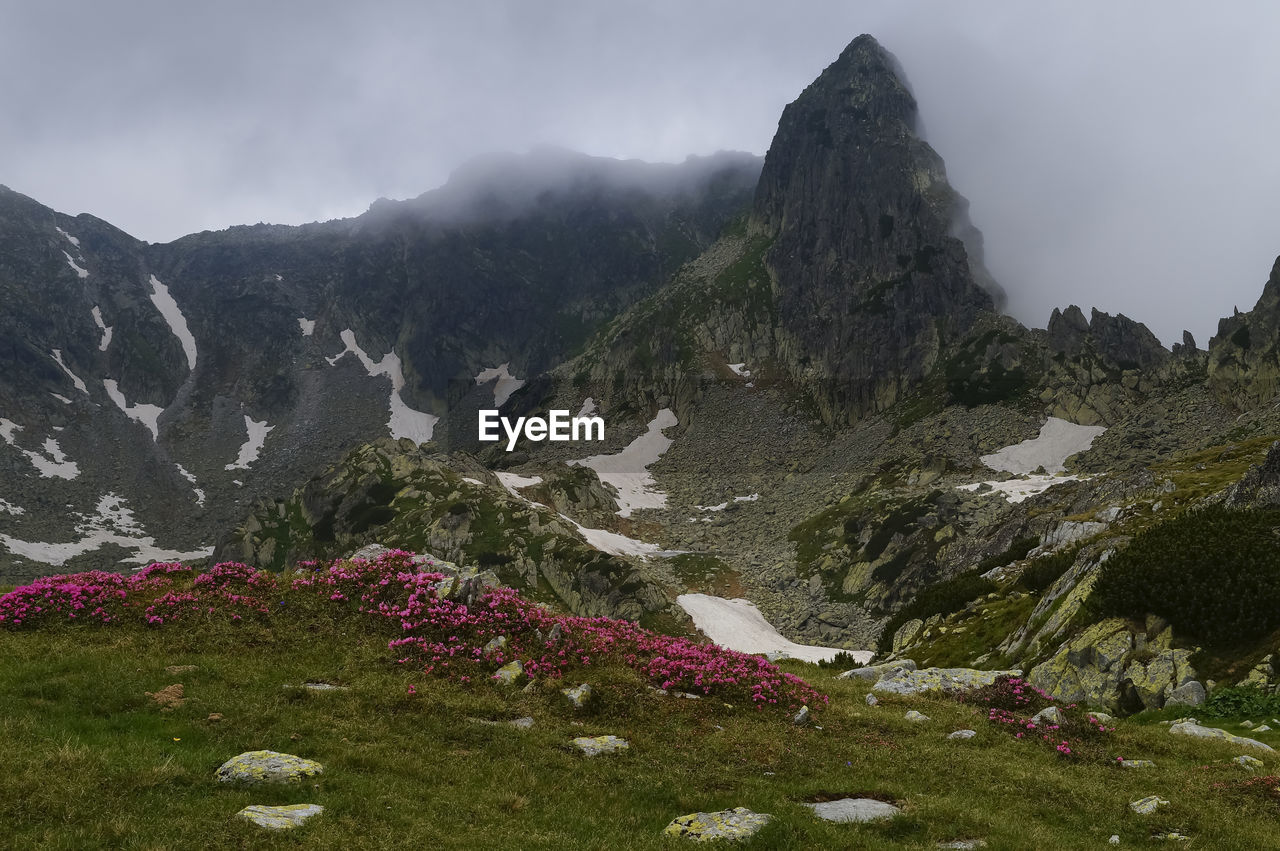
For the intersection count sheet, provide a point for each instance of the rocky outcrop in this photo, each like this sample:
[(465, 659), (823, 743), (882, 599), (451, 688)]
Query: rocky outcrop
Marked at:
[(1110, 665), (871, 279), (1244, 356), (1260, 485)]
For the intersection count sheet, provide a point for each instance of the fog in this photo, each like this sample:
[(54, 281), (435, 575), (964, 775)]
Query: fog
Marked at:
[(1114, 155)]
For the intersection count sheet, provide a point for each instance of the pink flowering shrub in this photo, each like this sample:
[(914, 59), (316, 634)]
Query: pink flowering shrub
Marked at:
[(394, 595), (1012, 702)]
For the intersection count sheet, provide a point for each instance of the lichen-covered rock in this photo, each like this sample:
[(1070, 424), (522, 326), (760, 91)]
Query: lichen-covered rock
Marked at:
[(738, 823), (802, 717), (950, 680), (579, 695), (849, 810), (280, 818), (913, 715), (1137, 763), (495, 645), (962, 734), (1252, 763), (1187, 694), (906, 634), (1049, 715), (1190, 728), (256, 768), (510, 673), (597, 745), (1148, 805), (872, 700), (876, 672)]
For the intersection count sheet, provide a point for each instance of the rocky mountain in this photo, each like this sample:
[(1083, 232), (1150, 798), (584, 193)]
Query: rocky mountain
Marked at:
[(178, 382), (812, 401)]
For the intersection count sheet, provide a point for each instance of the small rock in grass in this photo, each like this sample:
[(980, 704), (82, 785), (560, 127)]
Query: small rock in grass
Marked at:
[(1049, 715), (913, 715), (1173, 836), (259, 767), (1248, 725), (738, 823), (324, 687), (180, 669), (510, 673), (847, 810), (872, 700), (962, 734), (802, 717), (597, 745), (1262, 728), (1101, 717), (214, 718), (519, 723), (499, 643), (1137, 763), (578, 696), (280, 818), (1249, 762), (1148, 805), (1115, 839), (964, 844)]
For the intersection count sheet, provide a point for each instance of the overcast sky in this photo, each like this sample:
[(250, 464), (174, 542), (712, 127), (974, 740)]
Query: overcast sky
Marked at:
[(1118, 155)]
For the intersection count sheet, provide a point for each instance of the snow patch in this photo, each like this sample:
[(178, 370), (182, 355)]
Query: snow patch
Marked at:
[(405, 421), (589, 407), (63, 399), (173, 316), (104, 327), (71, 239), (80, 270), (308, 326), (257, 432), (603, 540), (111, 523), (740, 370), (628, 470), (148, 415), (506, 382), (75, 379), (1016, 490), (1058, 440), (739, 625), (182, 471), (10, 508), (51, 462), (473, 481)]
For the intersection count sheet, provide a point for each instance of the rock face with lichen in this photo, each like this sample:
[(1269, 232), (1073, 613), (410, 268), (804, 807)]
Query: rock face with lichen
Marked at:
[(738, 823), (258, 768)]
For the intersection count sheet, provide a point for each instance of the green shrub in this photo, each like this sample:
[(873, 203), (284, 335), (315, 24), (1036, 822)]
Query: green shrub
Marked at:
[(1017, 551), (1213, 573), (1044, 571), (1239, 701)]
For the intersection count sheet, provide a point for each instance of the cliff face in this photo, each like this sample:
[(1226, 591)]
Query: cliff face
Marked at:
[(871, 276), (1244, 356)]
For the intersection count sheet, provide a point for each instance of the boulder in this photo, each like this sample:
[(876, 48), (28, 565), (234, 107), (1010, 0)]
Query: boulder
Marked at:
[(579, 695), (962, 734), (876, 672), (597, 745), (510, 673), (738, 823), (1148, 805), (913, 715), (1190, 728), (1188, 694), (1050, 715), (256, 768), (950, 680)]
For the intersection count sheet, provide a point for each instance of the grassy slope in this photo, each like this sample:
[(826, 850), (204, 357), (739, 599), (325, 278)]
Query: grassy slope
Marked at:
[(91, 762)]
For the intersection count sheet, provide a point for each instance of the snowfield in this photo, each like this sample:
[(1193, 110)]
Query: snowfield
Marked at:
[(111, 523), (504, 382), (148, 415), (103, 327), (1058, 440), (173, 317), (628, 470), (51, 463), (738, 625), (405, 421), (252, 447), (308, 326), (56, 354)]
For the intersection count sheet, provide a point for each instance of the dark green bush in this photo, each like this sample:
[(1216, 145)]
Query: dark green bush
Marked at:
[(941, 598), (1239, 702), (1213, 573), (1044, 571)]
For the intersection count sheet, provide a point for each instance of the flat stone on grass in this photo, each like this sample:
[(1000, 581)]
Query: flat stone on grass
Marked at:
[(597, 745), (848, 810), (280, 818)]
